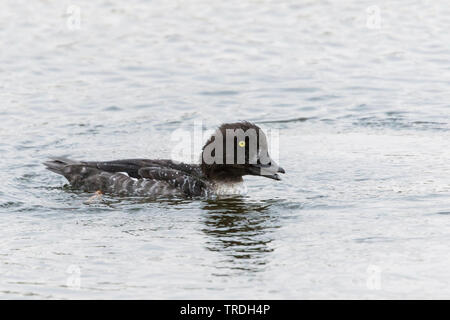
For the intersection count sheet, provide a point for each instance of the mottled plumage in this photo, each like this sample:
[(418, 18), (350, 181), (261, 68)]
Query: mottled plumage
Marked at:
[(145, 177)]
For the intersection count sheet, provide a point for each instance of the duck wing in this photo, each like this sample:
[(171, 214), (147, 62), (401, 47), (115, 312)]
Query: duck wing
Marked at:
[(132, 166), (140, 179), (190, 185)]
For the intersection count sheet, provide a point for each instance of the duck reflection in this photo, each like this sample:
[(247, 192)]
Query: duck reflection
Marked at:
[(241, 230)]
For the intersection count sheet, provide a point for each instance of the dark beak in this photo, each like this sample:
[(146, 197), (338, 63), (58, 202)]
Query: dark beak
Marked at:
[(266, 170)]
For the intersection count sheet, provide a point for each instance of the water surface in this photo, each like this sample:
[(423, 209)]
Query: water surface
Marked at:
[(362, 113)]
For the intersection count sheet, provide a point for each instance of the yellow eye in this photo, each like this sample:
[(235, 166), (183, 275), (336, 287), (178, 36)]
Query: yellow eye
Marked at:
[(242, 143)]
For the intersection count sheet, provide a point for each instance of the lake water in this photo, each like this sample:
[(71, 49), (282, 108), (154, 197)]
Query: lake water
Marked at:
[(357, 92)]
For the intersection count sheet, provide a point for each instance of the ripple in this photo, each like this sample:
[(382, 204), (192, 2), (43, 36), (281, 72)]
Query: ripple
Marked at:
[(219, 93), (112, 108), (300, 119), (11, 204), (300, 89)]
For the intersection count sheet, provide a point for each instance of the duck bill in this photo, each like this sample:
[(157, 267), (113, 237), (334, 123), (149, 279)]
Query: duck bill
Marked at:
[(269, 170)]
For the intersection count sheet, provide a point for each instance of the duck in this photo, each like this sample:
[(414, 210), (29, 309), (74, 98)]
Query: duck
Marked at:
[(233, 151)]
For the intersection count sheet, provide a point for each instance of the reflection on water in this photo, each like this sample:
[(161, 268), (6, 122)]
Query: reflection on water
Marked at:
[(241, 230)]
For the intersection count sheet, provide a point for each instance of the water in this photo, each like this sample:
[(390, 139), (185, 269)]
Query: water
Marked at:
[(362, 111)]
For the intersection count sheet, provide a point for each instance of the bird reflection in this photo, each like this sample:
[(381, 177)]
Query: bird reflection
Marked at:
[(241, 230)]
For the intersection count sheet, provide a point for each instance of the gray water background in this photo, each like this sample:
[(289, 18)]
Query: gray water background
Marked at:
[(361, 106)]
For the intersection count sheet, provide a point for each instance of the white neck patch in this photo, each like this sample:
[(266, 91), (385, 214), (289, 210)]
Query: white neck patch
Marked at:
[(230, 188)]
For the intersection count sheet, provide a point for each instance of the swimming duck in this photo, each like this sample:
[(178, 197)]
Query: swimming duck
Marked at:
[(233, 151)]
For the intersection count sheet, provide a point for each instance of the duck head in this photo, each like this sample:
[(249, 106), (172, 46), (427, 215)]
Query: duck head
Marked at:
[(235, 150)]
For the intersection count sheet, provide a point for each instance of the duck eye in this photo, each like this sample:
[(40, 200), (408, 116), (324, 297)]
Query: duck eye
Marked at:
[(242, 143)]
